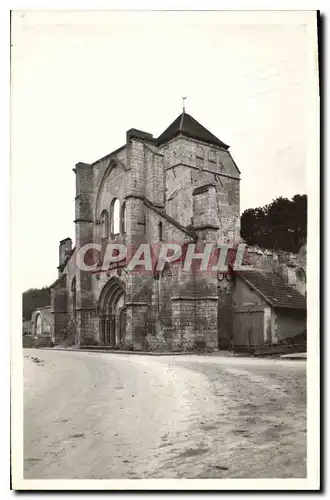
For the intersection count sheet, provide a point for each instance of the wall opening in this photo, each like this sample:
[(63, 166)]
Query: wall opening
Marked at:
[(38, 327), (115, 216), (104, 223), (123, 218)]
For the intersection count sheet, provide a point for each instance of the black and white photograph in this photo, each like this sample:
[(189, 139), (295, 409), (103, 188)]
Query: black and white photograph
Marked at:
[(165, 249)]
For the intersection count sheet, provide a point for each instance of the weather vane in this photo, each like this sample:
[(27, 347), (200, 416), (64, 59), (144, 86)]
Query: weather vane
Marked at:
[(183, 103)]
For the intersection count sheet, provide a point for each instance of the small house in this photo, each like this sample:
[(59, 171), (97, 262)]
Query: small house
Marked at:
[(266, 311)]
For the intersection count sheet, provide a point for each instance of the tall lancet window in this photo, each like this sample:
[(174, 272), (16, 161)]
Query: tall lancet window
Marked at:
[(104, 223), (115, 216), (123, 218)]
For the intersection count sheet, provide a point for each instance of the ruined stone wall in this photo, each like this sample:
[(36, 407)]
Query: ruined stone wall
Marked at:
[(154, 176), (26, 327), (291, 267), (65, 249), (71, 282), (179, 194), (110, 183), (46, 318), (191, 164), (59, 308), (262, 258), (181, 307), (202, 191), (84, 235)]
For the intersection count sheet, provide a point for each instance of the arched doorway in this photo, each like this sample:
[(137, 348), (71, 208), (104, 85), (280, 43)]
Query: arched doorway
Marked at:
[(38, 325), (111, 309)]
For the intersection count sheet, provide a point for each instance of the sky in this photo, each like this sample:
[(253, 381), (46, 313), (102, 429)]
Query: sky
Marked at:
[(80, 80)]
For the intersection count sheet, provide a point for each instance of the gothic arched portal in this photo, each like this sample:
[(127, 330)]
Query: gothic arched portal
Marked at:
[(38, 323), (111, 309)]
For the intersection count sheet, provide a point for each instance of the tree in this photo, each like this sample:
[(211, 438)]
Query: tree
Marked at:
[(280, 225), (300, 217), (254, 226), (33, 299)]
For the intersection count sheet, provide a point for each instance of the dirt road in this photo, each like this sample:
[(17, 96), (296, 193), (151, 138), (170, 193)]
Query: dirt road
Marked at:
[(115, 416)]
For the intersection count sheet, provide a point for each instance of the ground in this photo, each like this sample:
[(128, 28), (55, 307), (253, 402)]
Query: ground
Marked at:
[(115, 416)]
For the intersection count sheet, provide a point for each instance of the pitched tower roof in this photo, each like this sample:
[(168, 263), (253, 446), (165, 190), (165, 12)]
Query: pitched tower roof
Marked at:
[(188, 126)]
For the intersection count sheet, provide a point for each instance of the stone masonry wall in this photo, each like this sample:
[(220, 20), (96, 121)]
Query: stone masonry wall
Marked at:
[(190, 164), (178, 308), (47, 318), (59, 308), (84, 221)]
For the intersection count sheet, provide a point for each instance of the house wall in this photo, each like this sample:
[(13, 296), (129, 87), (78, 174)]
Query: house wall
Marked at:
[(244, 295), (244, 298), (225, 313), (268, 331), (288, 323), (279, 324)]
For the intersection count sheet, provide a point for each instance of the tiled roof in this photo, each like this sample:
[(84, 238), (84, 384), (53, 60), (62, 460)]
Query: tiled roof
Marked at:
[(188, 126), (273, 289)]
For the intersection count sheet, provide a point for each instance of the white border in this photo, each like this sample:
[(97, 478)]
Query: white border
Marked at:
[(313, 278)]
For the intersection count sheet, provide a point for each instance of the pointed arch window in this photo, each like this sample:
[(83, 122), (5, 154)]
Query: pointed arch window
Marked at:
[(115, 216), (104, 222), (123, 218)]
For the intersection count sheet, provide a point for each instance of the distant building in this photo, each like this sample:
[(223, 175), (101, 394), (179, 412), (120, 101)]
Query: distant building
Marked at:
[(267, 310)]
